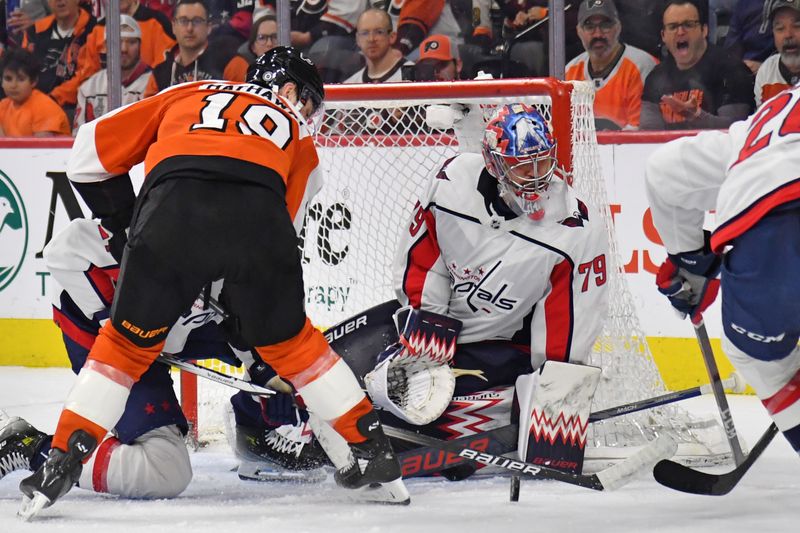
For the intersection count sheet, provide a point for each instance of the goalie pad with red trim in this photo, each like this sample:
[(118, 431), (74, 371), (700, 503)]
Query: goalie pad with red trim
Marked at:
[(413, 379), (555, 402)]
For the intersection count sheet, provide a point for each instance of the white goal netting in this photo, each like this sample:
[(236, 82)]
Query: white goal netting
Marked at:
[(377, 153)]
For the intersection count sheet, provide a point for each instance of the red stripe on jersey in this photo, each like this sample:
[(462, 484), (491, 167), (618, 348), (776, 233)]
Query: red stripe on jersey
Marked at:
[(101, 461), (71, 330), (103, 281), (422, 257), (558, 313), (748, 218), (788, 395)]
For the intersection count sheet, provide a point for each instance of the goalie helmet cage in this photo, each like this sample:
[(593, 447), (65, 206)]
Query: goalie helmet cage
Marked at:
[(377, 154)]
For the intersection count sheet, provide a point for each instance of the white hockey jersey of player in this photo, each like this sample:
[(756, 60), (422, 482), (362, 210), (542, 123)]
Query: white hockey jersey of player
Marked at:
[(506, 277), (742, 173)]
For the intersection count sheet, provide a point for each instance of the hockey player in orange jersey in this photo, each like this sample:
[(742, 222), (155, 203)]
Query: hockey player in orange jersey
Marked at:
[(228, 169)]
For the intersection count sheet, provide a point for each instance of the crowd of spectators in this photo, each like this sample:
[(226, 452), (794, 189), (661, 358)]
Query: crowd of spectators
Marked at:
[(656, 64)]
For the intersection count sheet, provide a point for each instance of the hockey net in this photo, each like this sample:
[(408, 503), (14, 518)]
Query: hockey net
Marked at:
[(377, 153)]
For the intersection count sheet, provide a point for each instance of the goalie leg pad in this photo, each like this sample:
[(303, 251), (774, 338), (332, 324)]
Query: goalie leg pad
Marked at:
[(555, 403)]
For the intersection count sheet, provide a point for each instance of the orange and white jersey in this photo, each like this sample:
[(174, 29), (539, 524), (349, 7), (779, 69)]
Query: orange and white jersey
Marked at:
[(771, 79), (239, 121), (618, 97)]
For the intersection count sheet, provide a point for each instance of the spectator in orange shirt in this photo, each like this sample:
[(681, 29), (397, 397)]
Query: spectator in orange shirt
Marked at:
[(157, 38), (263, 37), (618, 70), (27, 111)]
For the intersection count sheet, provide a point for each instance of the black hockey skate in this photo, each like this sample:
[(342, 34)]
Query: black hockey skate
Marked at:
[(285, 453), (374, 465), (56, 476), (19, 441)]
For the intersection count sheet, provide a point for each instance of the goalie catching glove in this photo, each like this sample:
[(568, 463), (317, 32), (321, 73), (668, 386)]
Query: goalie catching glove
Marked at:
[(413, 379), (689, 280)]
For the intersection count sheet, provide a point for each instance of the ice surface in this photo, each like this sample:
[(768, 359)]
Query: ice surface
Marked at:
[(766, 500)]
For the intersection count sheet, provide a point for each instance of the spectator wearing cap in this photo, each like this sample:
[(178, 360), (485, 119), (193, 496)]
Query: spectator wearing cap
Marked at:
[(26, 111), (617, 70), (438, 60), (263, 37), (375, 38), (93, 93), (156, 39), (698, 85), (782, 70)]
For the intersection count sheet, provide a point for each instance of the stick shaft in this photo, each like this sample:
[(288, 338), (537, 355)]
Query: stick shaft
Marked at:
[(719, 393)]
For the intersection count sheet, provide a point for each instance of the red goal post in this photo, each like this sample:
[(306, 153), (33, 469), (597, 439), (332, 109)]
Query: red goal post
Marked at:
[(377, 153)]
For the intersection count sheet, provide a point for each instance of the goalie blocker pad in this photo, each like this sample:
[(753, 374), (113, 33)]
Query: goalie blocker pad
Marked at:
[(554, 404)]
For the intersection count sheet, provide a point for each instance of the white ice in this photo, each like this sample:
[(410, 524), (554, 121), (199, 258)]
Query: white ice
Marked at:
[(767, 499)]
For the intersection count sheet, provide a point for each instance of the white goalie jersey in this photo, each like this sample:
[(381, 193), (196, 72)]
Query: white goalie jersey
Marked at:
[(506, 277)]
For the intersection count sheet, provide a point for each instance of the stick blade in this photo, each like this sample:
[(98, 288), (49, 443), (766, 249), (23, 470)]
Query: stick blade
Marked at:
[(684, 479), (621, 473)]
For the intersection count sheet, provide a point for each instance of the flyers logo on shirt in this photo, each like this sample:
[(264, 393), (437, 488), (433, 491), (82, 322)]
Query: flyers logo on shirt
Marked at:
[(13, 231)]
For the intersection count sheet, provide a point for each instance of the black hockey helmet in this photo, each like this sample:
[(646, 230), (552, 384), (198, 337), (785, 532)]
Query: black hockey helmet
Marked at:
[(283, 64)]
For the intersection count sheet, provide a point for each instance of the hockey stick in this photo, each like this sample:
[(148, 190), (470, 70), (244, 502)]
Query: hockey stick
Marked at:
[(609, 479), (734, 382), (678, 477), (716, 388), (213, 375)]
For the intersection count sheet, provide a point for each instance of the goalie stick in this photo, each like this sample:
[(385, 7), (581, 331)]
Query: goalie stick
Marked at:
[(678, 477), (609, 479)]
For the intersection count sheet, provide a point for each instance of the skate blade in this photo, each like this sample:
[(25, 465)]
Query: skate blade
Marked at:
[(390, 493), (256, 472), (31, 506)]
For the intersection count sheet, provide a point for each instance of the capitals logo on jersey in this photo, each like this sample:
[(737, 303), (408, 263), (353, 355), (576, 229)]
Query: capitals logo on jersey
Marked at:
[(487, 293)]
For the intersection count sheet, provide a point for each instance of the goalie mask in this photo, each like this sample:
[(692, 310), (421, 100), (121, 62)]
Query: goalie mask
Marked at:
[(283, 64), (519, 150)]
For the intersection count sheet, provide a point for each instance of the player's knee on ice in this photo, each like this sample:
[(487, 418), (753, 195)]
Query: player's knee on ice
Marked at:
[(155, 465)]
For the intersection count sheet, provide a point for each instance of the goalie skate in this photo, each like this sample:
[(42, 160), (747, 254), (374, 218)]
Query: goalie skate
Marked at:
[(266, 472), (288, 447), (18, 443)]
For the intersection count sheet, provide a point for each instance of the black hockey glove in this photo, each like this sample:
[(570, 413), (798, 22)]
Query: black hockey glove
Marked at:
[(281, 408), (689, 280)]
